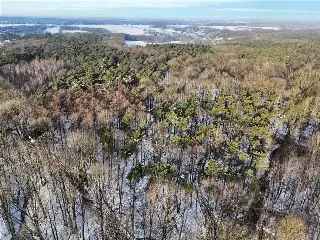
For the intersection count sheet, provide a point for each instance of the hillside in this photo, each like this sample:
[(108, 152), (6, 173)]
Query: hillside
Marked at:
[(101, 141)]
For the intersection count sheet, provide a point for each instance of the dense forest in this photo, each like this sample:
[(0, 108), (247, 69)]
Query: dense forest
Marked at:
[(199, 142)]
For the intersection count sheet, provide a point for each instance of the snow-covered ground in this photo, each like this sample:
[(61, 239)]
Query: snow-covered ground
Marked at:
[(135, 43), (126, 29), (74, 31), (241, 28), (53, 30), (140, 29)]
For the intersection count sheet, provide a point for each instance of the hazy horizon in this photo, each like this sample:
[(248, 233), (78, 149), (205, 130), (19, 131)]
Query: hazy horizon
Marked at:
[(225, 10)]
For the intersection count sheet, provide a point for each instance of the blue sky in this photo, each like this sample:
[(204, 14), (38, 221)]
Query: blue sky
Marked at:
[(118, 3), (216, 9)]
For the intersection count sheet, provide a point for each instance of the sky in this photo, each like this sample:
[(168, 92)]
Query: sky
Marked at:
[(116, 3), (300, 10)]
